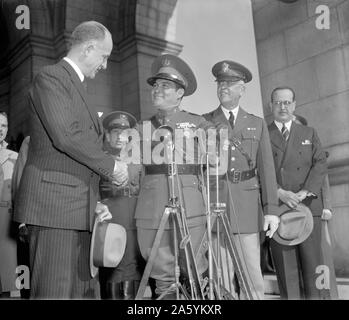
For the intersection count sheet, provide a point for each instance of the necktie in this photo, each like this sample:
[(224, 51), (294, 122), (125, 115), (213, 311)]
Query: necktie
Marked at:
[(231, 119), (285, 132), (84, 84)]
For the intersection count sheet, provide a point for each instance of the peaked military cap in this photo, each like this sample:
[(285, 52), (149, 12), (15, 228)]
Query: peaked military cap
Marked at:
[(119, 119), (227, 70), (172, 68)]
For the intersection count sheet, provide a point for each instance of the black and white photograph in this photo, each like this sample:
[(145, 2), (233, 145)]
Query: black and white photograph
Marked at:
[(195, 151)]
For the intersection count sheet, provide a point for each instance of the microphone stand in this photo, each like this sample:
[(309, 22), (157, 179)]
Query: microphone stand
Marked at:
[(209, 234)]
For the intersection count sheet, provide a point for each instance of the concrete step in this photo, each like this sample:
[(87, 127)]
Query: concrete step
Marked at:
[(272, 289)]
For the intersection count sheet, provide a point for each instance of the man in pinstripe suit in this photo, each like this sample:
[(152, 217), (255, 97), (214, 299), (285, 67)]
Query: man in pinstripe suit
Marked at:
[(57, 196)]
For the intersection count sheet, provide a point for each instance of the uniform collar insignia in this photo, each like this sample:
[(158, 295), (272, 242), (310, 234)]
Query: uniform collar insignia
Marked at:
[(166, 62)]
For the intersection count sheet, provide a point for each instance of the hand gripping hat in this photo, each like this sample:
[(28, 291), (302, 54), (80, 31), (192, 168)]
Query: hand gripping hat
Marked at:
[(119, 119), (108, 245), (172, 68), (227, 70), (295, 225)]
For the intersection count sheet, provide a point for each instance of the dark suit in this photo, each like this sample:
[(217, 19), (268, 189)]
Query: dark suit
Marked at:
[(58, 191), (248, 201), (300, 163)]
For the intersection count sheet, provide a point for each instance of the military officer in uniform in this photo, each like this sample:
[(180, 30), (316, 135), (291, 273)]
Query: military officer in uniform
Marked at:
[(249, 186), (122, 282), (171, 79)]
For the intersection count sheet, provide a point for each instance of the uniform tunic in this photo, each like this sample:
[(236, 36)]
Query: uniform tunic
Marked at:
[(155, 193), (248, 197)]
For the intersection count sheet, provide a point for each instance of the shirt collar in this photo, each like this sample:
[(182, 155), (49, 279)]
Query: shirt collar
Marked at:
[(227, 112), (280, 125), (3, 144), (76, 68), (162, 113)]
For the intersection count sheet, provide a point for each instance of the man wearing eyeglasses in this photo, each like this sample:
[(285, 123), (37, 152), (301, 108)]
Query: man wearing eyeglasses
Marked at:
[(249, 186), (300, 165)]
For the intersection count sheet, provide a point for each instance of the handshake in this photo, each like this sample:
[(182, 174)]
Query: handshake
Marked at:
[(120, 175)]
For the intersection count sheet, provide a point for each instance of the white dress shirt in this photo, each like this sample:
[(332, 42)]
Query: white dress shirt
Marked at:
[(76, 68), (227, 112), (287, 125)]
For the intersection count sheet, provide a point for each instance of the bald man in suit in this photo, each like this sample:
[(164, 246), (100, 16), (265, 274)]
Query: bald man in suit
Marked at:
[(57, 196)]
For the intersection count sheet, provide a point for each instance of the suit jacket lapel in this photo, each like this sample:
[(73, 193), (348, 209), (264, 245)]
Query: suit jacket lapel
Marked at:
[(219, 116), (240, 122), (276, 137), (100, 126), (78, 84), (294, 140)]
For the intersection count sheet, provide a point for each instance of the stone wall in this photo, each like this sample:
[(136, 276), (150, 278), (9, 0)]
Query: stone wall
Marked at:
[(141, 30)]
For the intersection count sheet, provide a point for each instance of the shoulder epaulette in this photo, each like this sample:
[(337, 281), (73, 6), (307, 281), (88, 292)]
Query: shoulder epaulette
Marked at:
[(254, 116), (191, 113)]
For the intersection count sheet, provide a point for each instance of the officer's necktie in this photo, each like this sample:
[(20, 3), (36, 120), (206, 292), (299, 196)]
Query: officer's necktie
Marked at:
[(285, 132), (231, 119), (84, 84)]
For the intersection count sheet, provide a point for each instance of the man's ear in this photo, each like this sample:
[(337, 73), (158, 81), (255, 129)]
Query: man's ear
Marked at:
[(242, 91), (88, 47), (107, 136), (180, 93)]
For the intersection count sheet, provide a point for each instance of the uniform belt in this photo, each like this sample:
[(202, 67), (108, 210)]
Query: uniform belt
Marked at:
[(237, 176), (116, 193), (123, 192), (193, 169)]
